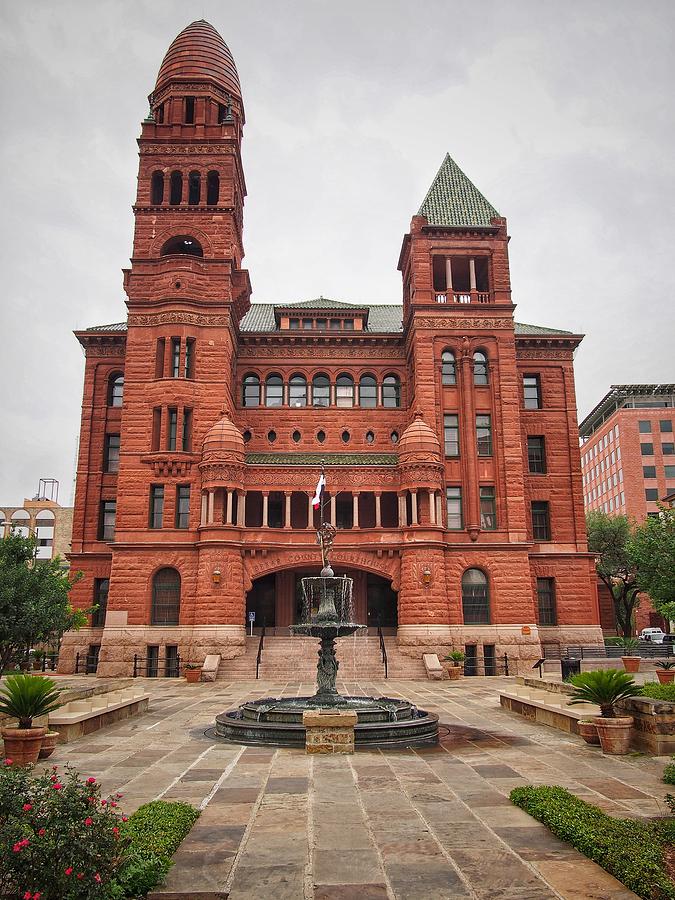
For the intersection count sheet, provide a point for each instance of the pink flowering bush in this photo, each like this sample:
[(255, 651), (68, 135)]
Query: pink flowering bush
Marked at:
[(58, 839)]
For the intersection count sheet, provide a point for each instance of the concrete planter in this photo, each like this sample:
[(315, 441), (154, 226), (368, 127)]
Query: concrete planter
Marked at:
[(22, 745), (589, 732), (614, 734), (631, 663), (48, 746), (454, 672), (665, 676), (192, 676)]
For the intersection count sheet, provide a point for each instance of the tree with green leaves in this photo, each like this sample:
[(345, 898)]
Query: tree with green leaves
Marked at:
[(609, 539), (652, 549), (34, 604)]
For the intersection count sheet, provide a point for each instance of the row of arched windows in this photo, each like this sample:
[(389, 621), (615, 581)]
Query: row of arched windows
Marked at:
[(298, 391), (449, 368), (174, 188), (166, 597)]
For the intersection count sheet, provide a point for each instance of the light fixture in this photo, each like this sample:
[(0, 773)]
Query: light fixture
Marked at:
[(426, 576), (216, 575)]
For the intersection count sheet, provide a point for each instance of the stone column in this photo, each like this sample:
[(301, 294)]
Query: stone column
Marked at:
[(287, 511), (402, 517), (212, 500), (310, 511), (333, 510), (378, 510), (228, 507), (264, 509), (355, 508), (439, 509), (432, 507), (448, 278), (472, 275), (413, 497), (241, 509), (204, 508)]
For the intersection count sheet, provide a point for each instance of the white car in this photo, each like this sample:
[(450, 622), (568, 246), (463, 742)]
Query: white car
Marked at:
[(653, 635)]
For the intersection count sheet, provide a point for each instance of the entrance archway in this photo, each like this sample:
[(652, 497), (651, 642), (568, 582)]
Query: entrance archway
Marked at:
[(382, 603), (261, 600)]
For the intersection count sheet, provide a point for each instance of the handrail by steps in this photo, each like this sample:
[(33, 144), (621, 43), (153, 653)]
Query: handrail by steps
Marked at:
[(260, 650), (383, 650)]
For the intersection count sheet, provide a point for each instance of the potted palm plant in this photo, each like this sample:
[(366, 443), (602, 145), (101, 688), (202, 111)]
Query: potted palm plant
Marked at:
[(455, 660), (630, 660), (192, 672), (26, 697), (605, 688), (665, 670)]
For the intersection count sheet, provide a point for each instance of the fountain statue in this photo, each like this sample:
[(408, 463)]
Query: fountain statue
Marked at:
[(327, 614)]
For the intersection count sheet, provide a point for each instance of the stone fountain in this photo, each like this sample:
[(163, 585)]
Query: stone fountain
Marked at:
[(327, 614)]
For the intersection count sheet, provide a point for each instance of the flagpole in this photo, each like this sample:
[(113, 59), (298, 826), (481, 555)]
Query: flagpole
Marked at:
[(321, 500)]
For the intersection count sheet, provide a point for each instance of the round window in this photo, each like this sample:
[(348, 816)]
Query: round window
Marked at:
[(370, 437), (247, 436), (394, 437)]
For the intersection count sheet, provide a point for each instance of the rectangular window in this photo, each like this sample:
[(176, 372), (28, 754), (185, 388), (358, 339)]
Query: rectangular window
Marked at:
[(175, 357), (348, 324), (106, 522), (334, 324), (156, 428), (171, 426), (294, 324), (541, 521), (190, 358), (668, 449), (647, 449), (546, 601), (451, 435), (484, 434), (101, 588), (308, 324), (665, 425), (189, 110), (182, 506), (532, 392), (669, 471), (156, 516), (644, 427), (187, 430), (488, 508), (649, 471), (322, 324), (111, 461), (159, 357), (651, 494), (453, 499)]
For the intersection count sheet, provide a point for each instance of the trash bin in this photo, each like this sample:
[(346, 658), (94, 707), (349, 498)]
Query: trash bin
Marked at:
[(570, 667)]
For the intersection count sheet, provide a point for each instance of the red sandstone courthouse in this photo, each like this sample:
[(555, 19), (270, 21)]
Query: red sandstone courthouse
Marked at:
[(448, 432)]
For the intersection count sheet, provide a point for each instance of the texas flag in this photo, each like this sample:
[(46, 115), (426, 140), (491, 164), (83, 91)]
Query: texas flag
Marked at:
[(319, 489)]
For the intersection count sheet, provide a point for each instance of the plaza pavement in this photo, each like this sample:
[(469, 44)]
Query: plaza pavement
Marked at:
[(410, 824)]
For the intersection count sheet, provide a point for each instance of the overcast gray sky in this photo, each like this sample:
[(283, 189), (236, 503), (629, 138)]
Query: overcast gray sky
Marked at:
[(561, 114)]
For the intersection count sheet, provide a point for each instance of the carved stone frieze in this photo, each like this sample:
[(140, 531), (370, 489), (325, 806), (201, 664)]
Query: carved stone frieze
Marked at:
[(463, 322), (342, 479), (182, 318), (186, 149), (105, 349), (544, 353), (271, 562), (213, 473), (313, 352)]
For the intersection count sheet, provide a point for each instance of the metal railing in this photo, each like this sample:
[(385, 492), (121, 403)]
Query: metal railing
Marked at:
[(151, 666), (383, 651), (487, 665), (258, 658), (85, 663), (646, 650)]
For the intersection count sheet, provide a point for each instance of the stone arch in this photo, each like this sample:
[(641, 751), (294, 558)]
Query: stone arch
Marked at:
[(166, 233), (258, 567)]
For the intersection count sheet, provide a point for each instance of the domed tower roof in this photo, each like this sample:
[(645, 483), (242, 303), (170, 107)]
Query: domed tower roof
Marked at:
[(199, 54), (419, 442), (223, 441)]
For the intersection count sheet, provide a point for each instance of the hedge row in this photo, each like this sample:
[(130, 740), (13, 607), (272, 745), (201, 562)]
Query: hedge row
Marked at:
[(658, 691), (630, 850), (669, 773), (155, 831)]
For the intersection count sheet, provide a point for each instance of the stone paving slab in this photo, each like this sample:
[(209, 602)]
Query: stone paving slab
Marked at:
[(427, 824)]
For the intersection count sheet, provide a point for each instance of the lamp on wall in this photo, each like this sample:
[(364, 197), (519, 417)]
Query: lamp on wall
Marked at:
[(426, 576), (216, 575)]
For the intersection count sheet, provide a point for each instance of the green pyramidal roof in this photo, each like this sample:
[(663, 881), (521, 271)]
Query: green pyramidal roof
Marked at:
[(454, 200)]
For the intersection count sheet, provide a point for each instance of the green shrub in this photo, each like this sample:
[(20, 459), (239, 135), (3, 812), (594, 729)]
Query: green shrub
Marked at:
[(630, 850), (154, 833), (658, 691), (605, 687), (669, 773)]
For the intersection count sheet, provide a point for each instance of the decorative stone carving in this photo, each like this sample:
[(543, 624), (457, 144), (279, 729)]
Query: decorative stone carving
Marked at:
[(460, 323), (367, 352), (105, 350), (213, 150), (180, 318), (544, 354)]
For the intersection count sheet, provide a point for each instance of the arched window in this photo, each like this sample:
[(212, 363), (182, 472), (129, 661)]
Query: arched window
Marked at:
[(115, 389), (157, 188), (480, 368), (274, 390), (297, 391), (448, 369), (251, 391), (212, 188), (391, 391), (368, 391), (475, 598), (344, 390), (176, 194), (194, 188), (165, 597), (182, 244), (321, 390)]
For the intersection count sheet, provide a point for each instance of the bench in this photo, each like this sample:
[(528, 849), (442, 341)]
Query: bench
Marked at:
[(79, 717)]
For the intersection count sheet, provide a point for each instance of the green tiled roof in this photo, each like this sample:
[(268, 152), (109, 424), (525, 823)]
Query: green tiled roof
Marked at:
[(382, 318), (454, 200), (116, 326), (319, 303), (315, 459), (524, 330)]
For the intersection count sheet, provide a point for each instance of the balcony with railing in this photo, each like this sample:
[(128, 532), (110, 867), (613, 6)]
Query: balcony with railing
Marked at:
[(463, 296), (462, 279)]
